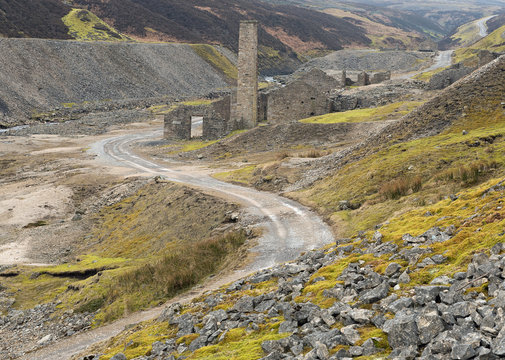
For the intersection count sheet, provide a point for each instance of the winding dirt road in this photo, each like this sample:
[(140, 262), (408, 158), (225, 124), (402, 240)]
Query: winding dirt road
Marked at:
[(288, 230), (481, 24), (442, 59)]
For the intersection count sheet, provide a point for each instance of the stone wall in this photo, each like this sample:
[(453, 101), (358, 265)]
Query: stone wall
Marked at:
[(448, 77), (380, 77), (486, 56), (296, 101), (319, 80), (216, 124), (363, 79)]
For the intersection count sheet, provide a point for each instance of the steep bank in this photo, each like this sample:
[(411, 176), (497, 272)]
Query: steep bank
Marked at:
[(40, 75)]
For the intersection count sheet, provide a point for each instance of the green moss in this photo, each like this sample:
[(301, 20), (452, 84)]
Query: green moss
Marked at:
[(216, 59), (360, 115), (239, 345), (242, 175), (85, 26)]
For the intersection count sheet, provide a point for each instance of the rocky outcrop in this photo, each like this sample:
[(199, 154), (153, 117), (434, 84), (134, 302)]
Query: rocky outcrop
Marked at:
[(440, 320)]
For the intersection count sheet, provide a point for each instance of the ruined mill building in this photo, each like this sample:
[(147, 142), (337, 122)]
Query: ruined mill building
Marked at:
[(308, 94)]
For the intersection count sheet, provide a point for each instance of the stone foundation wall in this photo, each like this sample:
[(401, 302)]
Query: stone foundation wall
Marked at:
[(380, 77), (296, 101), (448, 77), (177, 124)]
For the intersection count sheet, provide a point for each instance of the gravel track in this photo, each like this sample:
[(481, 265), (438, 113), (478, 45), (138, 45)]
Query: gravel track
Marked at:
[(288, 229)]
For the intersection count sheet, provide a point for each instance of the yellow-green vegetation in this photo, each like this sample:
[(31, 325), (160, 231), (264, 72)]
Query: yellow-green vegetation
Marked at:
[(138, 340), (381, 113), (268, 57), (467, 34), (478, 217), (494, 42), (220, 62), (85, 26), (196, 144), (239, 344), (242, 175), (426, 76), (142, 251), (430, 167)]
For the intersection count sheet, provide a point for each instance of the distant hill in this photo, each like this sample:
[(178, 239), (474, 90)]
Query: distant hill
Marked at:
[(391, 22), (34, 18)]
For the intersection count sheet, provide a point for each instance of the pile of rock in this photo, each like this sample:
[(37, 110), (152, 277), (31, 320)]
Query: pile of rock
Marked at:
[(25, 330), (442, 320)]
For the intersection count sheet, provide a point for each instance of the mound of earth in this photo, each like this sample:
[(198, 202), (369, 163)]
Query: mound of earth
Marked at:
[(283, 136), (40, 75), (369, 60)]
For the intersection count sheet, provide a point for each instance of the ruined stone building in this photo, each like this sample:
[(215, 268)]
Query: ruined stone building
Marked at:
[(307, 94), (236, 111), (304, 97)]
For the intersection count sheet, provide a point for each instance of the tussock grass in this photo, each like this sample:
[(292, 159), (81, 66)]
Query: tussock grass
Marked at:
[(470, 174), (401, 186), (168, 275)]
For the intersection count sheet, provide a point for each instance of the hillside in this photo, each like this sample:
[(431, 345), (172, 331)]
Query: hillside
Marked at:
[(37, 18), (417, 273), (38, 76), (285, 30), (494, 42)]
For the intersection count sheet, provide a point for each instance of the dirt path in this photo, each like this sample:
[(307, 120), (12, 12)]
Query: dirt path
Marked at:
[(442, 60), (481, 24), (288, 229)]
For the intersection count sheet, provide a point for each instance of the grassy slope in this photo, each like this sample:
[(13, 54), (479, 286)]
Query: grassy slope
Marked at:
[(85, 26), (143, 250), (386, 112), (493, 42), (466, 34), (381, 35)]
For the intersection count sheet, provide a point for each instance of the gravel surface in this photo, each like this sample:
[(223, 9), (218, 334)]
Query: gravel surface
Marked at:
[(38, 75), (370, 60)]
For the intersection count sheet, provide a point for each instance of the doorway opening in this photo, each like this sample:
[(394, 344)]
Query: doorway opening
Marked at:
[(196, 126)]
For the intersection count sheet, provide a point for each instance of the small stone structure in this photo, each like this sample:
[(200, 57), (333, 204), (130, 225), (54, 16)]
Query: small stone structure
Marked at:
[(380, 77), (305, 96), (245, 110), (216, 120), (449, 76), (486, 56), (363, 79)]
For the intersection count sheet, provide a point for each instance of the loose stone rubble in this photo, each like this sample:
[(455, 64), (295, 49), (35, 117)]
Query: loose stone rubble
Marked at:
[(442, 320), (25, 330)]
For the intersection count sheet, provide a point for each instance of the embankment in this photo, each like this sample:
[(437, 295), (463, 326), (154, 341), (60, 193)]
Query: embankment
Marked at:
[(38, 75)]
